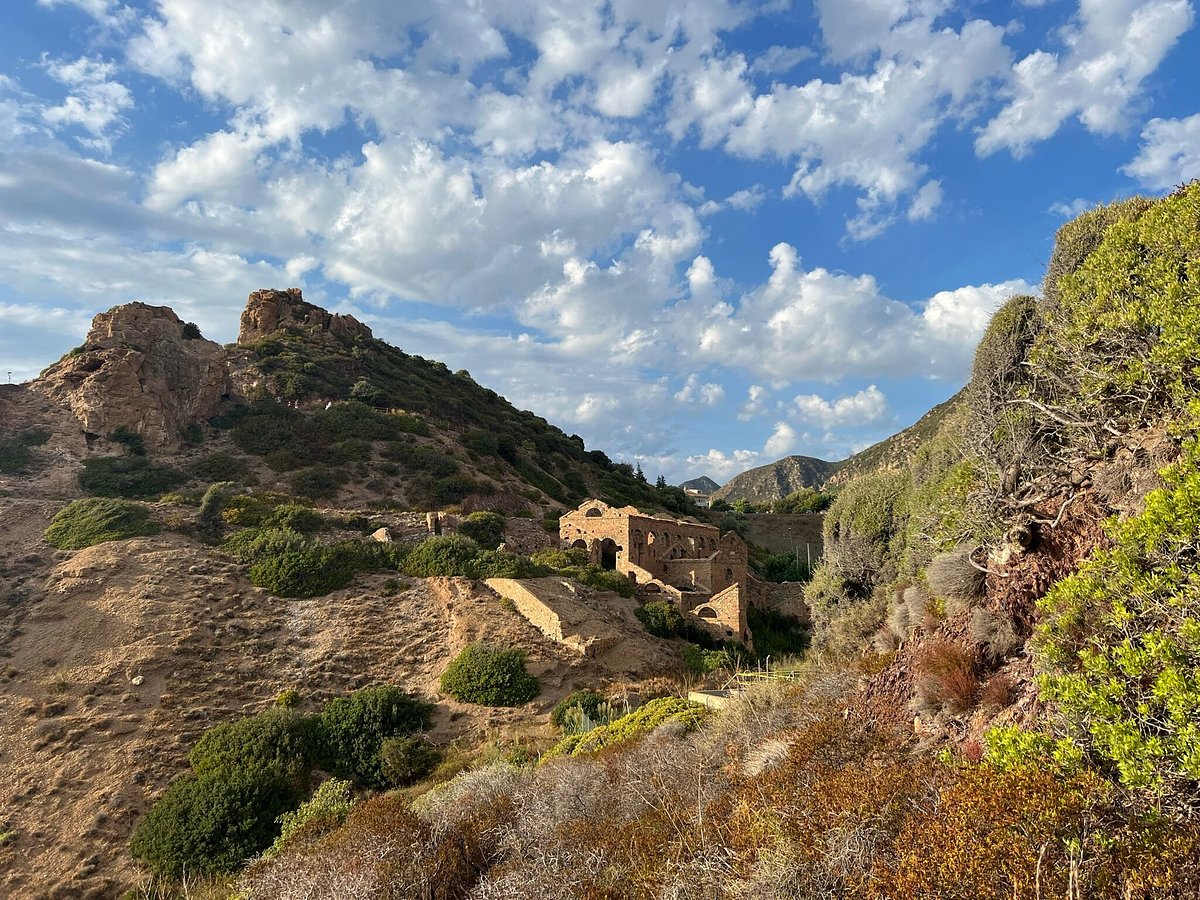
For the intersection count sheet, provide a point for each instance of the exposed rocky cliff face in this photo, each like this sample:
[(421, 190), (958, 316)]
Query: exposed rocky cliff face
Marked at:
[(142, 369), (269, 311)]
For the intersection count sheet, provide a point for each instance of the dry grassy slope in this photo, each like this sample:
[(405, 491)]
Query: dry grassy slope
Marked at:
[(895, 452), (85, 749)]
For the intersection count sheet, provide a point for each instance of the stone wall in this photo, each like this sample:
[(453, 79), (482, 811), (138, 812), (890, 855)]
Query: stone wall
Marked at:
[(783, 533)]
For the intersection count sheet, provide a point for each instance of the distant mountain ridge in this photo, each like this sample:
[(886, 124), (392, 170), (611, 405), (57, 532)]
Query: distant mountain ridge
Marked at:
[(703, 484), (776, 480)]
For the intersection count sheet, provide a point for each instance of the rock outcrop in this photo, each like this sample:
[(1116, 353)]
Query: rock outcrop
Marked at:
[(142, 369), (269, 311)]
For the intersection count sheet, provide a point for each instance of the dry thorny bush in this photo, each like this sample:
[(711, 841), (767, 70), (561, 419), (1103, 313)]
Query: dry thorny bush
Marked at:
[(781, 796)]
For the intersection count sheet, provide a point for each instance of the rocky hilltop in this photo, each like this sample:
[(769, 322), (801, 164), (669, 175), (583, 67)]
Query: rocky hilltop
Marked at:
[(268, 312), (142, 369)]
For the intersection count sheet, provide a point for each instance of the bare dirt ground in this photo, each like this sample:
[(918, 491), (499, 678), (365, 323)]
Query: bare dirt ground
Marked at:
[(114, 659)]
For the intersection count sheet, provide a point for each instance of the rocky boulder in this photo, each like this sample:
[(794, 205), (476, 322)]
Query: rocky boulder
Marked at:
[(142, 368), (268, 312)]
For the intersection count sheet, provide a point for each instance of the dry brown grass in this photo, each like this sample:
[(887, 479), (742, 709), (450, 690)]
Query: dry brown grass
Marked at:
[(946, 681)]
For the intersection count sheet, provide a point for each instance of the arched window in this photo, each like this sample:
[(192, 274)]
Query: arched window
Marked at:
[(706, 612), (593, 512), (729, 574)]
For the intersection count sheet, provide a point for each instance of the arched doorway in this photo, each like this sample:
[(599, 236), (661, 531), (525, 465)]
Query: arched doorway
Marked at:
[(608, 553)]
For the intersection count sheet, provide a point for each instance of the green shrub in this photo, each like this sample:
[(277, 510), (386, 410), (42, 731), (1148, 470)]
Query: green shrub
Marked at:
[(252, 509), (775, 634), (131, 440), (277, 740), (490, 676), (288, 564), (352, 730), (318, 482), (93, 521), (127, 476), (661, 618), (191, 331), (1077, 240), (484, 528), (452, 489), (294, 517), (209, 519), (211, 825), (635, 724), (14, 453), (805, 500), (354, 419), (432, 461), (325, 810), (442, 555), (699, 661), (588, 701), (1121, 642), (787, 566), (352, 450), (306, 571), (406, 760), (222, 467), (573, 558), (502, 564)]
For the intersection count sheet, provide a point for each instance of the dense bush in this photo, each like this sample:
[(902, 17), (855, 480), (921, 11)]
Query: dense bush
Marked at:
[(209, 520), (253, 509), (406, 760), (277, 740), (490, 676), (288, 564), (484, 528), (95, 520), (14, 452), (352, 730), (131, 440), (211, 825), (1078, 239), (127, 476), (776, 634), (318, 482), (805, 500), (787, 566), (222, 466), (661, 618), (442, 555), (294, 517)]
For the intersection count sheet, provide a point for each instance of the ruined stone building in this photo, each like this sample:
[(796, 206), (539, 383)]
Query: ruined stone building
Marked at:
[(706, 575)]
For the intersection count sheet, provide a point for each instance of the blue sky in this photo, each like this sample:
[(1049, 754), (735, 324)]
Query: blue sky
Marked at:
[(702, 234)]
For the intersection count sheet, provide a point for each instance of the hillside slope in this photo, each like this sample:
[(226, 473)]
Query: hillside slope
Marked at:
[(145, 375), (1003, 701), (776, 480)]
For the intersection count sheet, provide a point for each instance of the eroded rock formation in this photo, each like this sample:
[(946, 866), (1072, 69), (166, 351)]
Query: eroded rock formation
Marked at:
[(270, 311), (139, 368)]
